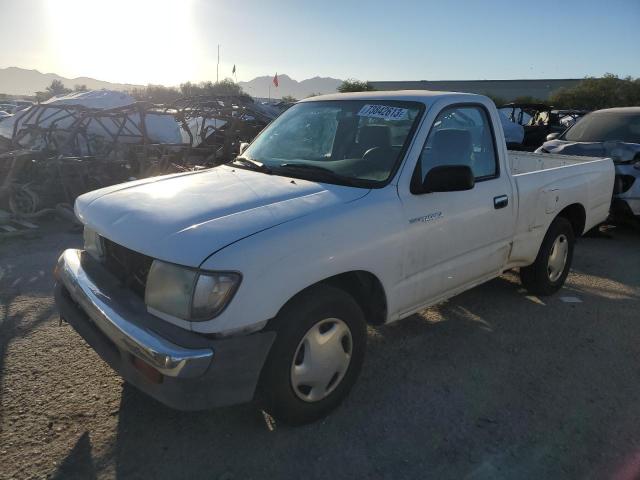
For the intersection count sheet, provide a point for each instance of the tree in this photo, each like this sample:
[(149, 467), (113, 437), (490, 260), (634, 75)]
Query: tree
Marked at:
[(189, 89), (162, 94), (57, 88), (80, 88), (226, 87), (596, 93), (352, 85), (156, 94), (289, 99)]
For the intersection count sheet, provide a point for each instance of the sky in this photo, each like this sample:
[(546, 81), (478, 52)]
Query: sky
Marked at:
[(172, 41)]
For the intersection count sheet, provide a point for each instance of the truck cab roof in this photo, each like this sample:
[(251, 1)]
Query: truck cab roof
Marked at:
[(423, 96)]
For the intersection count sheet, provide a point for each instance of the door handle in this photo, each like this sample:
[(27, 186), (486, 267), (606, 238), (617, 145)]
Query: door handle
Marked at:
[(500, 201)]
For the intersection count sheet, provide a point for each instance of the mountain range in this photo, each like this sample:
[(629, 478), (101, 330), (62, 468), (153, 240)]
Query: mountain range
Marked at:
[(262, 86), (21, 81)]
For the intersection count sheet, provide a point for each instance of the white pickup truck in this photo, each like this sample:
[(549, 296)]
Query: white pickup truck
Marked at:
[(257, 279)]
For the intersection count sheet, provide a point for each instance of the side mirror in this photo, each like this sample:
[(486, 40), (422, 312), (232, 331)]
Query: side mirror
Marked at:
[(552, 136), (243, 147), (448, 178)]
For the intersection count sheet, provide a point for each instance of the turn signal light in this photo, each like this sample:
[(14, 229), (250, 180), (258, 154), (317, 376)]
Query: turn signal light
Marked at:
[(150, 373)]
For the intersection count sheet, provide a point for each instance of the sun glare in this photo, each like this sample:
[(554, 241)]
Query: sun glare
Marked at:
[(128, 41)]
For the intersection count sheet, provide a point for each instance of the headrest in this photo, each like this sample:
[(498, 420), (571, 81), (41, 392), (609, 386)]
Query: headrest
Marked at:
[(452, 147)]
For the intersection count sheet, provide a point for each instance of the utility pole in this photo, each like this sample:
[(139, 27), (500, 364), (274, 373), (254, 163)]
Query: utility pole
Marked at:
[(218, 66)]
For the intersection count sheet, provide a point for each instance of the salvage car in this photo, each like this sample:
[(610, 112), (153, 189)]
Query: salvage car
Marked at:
[(257, 279), (614, 133), (538, 121), (8, 107), (74, 143)]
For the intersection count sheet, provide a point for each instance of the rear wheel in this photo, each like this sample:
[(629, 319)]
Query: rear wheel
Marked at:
[(316, 357), (548, 273)]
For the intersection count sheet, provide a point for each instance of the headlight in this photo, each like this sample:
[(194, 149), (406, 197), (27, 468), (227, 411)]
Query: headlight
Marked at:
[(169, 289), (187, 293), (212, 293), (93, 243)]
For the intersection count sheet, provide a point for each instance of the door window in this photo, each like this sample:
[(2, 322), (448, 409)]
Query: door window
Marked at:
[(461, 136)]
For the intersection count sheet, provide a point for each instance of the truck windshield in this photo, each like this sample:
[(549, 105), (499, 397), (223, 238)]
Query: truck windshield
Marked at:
[(606, 126), (351, 142)]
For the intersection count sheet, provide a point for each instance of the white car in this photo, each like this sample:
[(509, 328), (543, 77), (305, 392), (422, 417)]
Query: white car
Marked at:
[(257, 279)]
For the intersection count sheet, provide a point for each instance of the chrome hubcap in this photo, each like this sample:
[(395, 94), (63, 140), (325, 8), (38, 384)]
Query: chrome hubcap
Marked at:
[(558, 258), (321, 360)]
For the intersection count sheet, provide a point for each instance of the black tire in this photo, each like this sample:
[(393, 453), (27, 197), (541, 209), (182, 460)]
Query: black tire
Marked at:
[(536, 277), (275, 390)]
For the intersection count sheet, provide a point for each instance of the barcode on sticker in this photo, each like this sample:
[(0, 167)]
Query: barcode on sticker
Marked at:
[(384, 111)]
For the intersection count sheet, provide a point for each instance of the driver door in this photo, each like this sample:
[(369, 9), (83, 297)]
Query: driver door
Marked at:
[(455, 239)]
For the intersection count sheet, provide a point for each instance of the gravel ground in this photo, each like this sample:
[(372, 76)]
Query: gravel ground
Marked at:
[(494, 384)]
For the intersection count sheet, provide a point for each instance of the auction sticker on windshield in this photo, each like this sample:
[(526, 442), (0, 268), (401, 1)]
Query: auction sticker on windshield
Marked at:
[(384, 111)]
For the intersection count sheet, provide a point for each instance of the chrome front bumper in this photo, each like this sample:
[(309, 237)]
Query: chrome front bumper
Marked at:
[(110, 316), (197, 372)]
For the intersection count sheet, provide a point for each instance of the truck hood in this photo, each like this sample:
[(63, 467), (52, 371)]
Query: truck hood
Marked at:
[(185, 218), (620, 152)]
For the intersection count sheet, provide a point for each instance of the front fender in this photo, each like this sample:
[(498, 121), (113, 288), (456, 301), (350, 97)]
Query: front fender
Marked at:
[(278, 263)]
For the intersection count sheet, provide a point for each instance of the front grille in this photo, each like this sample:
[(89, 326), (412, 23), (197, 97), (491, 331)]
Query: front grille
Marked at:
[(130, 267)]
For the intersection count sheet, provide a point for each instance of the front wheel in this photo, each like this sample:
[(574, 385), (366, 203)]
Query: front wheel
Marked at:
[(548, 273), (316, 357)]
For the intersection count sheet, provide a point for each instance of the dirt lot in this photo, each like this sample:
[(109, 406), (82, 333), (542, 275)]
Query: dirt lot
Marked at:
[(492, 385)]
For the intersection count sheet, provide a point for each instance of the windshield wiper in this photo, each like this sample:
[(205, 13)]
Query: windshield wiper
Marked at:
[(324, 172), (252, 164)]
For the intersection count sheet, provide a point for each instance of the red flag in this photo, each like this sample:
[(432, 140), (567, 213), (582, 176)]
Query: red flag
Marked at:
[(275, 80)]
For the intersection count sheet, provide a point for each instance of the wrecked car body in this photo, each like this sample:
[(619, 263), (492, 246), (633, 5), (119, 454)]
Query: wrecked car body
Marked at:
[(513, 132), (538, 120), (613, 133), (59, 149)]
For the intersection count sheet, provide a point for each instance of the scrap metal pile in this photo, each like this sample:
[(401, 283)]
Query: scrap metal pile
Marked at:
[(52, 152)]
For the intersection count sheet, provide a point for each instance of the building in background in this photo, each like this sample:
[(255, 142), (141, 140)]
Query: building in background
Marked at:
[(507, 90)]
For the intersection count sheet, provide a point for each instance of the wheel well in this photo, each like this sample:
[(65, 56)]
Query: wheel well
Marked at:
[(366, 290), (576, 215)]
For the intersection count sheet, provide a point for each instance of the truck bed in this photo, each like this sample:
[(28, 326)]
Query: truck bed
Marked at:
[(545, 184), (527, 162)]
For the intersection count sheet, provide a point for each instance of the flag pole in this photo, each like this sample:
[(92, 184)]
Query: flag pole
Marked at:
[(218, 66)]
